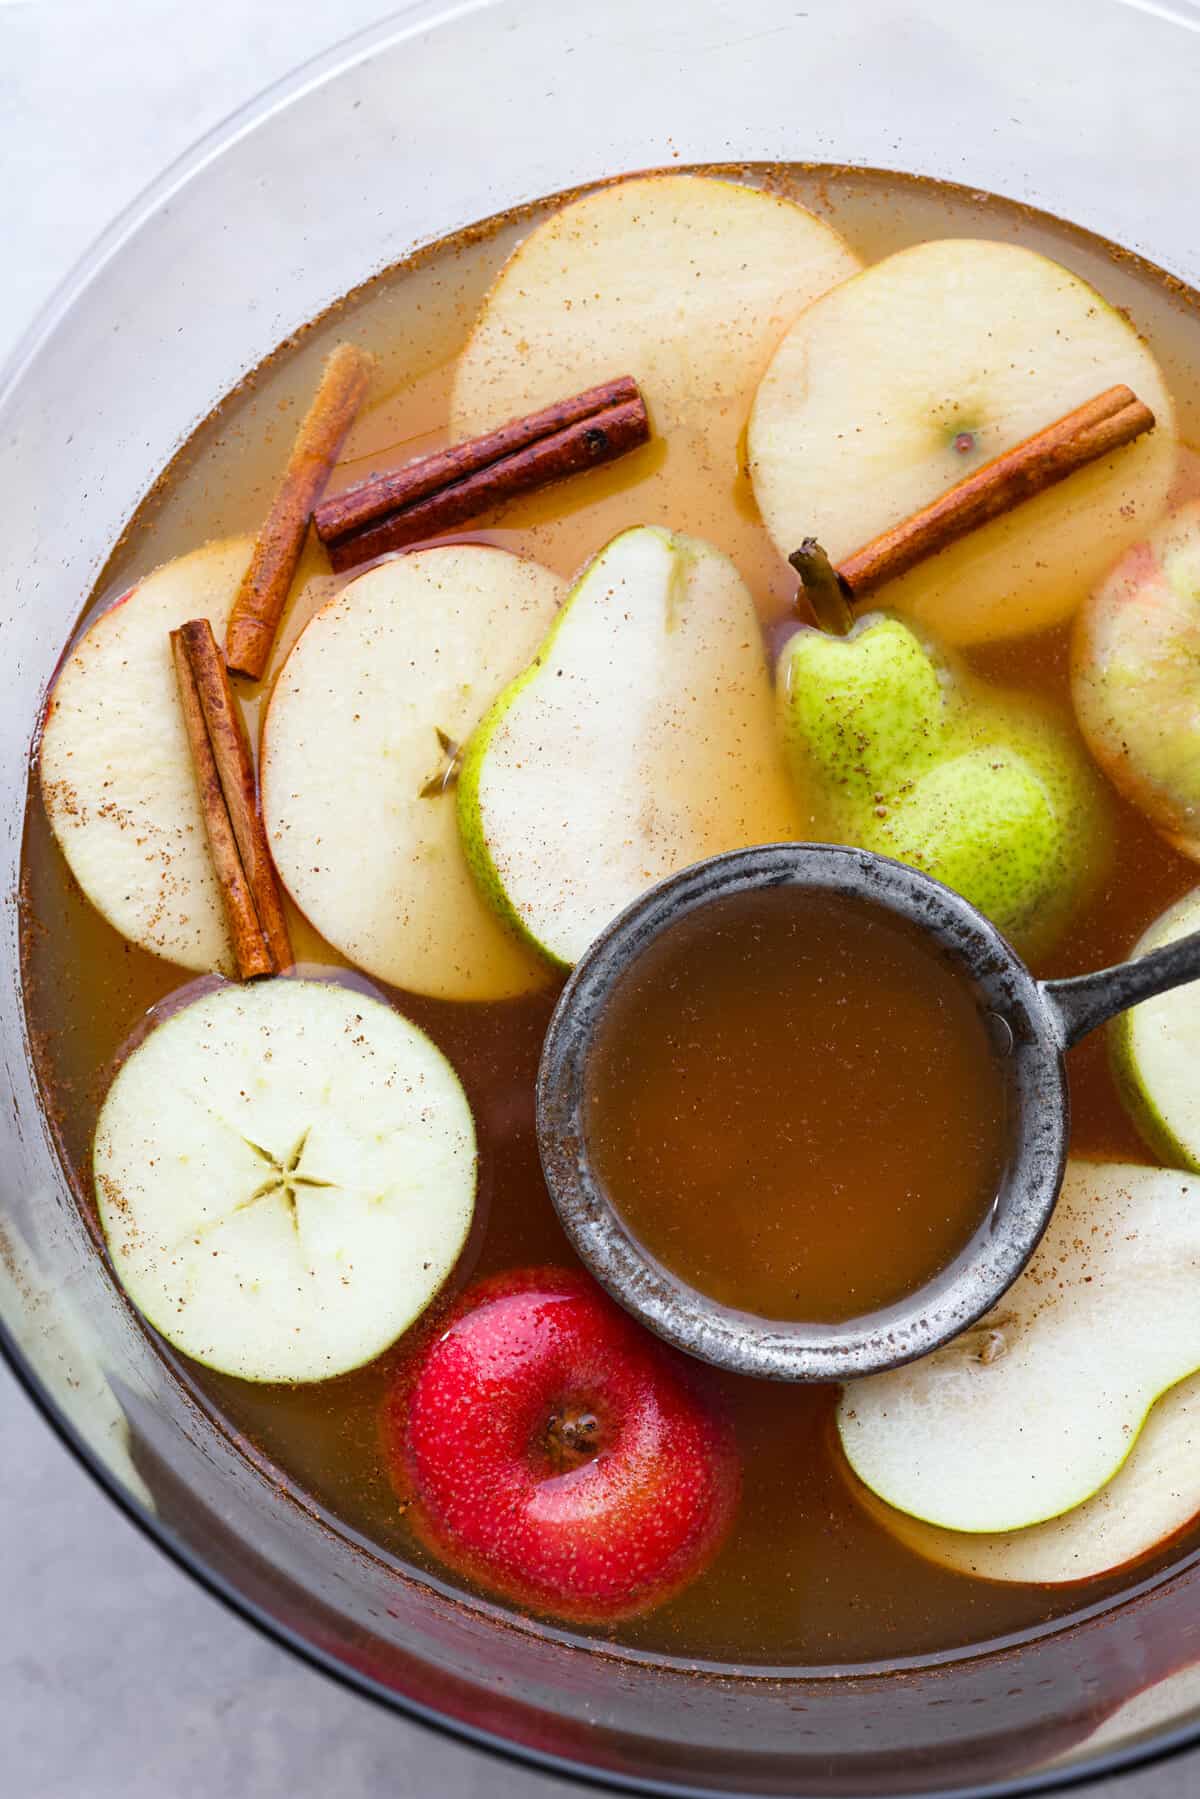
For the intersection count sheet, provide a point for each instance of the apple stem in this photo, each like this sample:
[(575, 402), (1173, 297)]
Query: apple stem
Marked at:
[(827, 593), (572, 1436)]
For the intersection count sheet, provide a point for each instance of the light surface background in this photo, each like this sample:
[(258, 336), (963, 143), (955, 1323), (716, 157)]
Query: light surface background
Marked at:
[(119, 1679)]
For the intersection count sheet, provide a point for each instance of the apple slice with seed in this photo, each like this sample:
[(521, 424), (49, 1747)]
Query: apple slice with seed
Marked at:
[(285, 1175), (359, 764), (116, 771), (906, 378)]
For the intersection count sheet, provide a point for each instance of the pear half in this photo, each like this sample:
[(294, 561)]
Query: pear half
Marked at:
[(1152, 1497), (640, 739), (898, 383), (359, 762), (285, 1174), (683, 281), (1156, 1050), (116, 771), (1035, 1409), (901, 751)]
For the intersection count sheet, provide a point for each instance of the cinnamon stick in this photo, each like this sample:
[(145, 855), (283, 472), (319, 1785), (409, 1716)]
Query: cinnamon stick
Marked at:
[(250, 951), (235, 771), (439, 492), (260, 599), (366, 504), (1106, 423)]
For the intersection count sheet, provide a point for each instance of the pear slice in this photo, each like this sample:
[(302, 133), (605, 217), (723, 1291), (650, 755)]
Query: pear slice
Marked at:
[(116, 771), (685, 282), (897, 384), (1133, 677), (640, 739), (1152, 1497), (285, 1174), (359, 763), (1156, 1051), (1033, 1410)]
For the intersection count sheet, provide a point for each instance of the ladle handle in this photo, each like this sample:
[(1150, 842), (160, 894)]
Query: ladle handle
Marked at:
[(1077, 1006)]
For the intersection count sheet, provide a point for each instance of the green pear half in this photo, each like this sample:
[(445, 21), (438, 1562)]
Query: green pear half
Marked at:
[(285, 1175), (1152, 1497), (640, 739), (1036, 1408), (863, 714), (895, 385), (1135, 653), (1156, 1050), (899, 751), (116, 770), (359, 760)]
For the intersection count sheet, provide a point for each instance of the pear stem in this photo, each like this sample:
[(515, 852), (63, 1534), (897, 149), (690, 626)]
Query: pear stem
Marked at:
[(824, 589)]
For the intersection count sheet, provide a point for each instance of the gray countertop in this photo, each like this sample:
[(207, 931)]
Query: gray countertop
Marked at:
[(117, 1675)]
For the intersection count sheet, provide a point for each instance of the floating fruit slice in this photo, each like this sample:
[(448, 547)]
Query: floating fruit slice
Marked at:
[(1153, 1496), (285, 1175), (1036, 1408), (557, 1454), (116, 771), (866, 415), (1156, 1051), (359, 763), (640, 739), (684, 282), (1136, 646)]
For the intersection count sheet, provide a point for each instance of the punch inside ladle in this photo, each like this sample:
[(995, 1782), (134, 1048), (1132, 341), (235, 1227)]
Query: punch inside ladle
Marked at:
[(1030, 1025)]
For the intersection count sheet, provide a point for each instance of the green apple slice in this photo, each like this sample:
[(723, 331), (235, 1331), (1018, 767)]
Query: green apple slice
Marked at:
[(898, 383), (1133, 677), (285, 1174), (1156, 1051), (685, 282), (358, 764), (1154, 1495), (1036, 1408), (116, 771), (639, 740)]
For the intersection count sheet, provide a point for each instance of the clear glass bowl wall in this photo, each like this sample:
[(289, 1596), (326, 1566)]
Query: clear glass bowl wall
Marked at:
[(434, 119)]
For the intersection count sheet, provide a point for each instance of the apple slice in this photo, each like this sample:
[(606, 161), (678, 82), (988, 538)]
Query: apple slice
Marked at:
[(640, 739), (1034, 1409), (285, 1174), (1151, 1498), (683, 281), (1156, 1051), (1134, 655), (116, 772), (897, 384), (357, 764)]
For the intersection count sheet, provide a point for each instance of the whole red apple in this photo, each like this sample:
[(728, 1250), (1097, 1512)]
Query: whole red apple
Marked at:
[(559, 1455)]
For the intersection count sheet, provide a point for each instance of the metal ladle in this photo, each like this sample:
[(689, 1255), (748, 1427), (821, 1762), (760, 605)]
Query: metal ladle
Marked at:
[(1033, 1023)]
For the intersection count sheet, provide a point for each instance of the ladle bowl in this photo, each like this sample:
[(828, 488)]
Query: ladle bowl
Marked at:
[(1032, 1024)]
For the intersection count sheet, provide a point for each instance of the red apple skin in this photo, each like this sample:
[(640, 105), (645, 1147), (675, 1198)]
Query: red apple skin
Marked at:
[(604, 1529), (1132, 656)]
